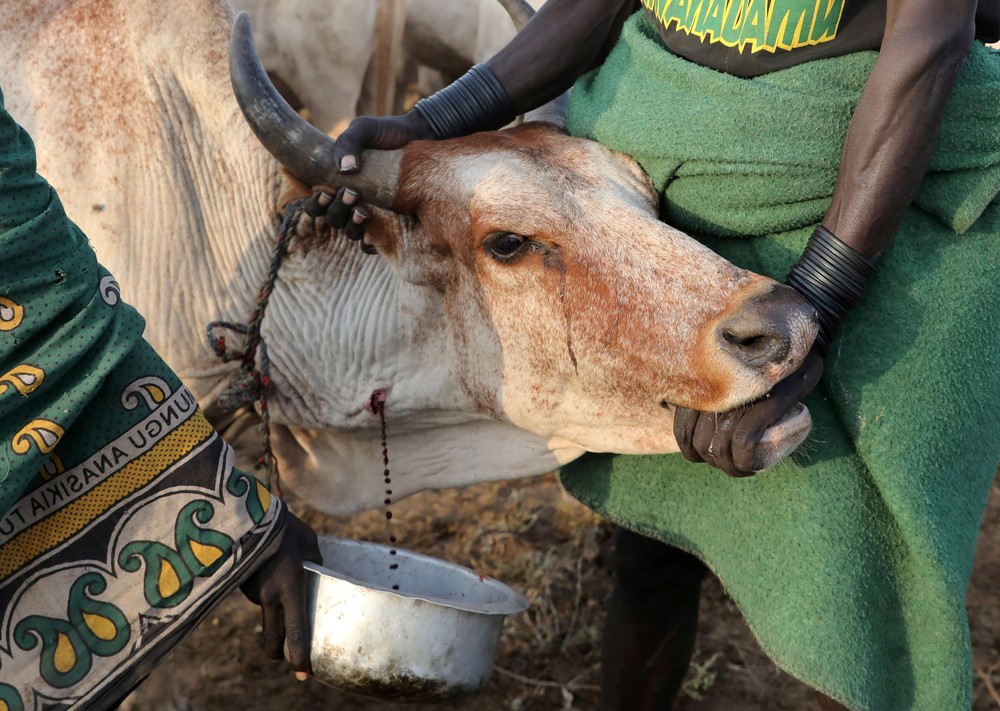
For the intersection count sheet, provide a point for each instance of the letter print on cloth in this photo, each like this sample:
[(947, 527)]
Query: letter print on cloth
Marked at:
[(752, 25), (104, 564), (122, 520)]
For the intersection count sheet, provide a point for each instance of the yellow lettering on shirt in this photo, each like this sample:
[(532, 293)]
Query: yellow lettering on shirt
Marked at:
[(752, 25)]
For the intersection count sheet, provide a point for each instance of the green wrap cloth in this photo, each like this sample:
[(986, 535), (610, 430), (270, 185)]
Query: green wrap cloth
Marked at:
[(850, 561), (122, 520)]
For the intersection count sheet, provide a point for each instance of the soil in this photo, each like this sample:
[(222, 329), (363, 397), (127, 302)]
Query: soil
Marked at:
[(537, 539)]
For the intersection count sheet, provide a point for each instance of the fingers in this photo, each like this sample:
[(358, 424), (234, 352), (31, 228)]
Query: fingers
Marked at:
[(751, 427), (729, 441), (707, 437), (711, 437), (279, 587), (296, 629), (339, 211), (765, 413), (343, 211), (324, 212), (295, 604), (335, 210), (358, 135), (685, 422), (286, 627), (274, 628)]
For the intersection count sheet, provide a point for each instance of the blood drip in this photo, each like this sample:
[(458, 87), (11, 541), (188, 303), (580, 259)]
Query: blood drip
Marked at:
[(378, 407)]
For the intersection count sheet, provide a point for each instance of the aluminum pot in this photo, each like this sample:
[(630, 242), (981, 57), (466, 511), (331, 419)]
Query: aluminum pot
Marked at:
[(433, 638)]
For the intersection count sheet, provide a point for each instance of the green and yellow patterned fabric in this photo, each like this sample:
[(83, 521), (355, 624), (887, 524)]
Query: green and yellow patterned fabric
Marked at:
[(122, 519)]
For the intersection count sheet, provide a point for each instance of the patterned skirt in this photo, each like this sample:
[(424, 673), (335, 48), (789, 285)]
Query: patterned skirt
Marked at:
[(122, 519)]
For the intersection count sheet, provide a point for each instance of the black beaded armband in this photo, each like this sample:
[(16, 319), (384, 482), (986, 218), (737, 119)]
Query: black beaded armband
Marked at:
[(476, 101), (832, 276)]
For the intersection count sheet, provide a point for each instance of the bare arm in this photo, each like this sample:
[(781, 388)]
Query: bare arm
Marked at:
[(894, 128), (565, 39), (562, 41)]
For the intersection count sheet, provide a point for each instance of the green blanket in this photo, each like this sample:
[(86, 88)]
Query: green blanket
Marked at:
[(850, 560)]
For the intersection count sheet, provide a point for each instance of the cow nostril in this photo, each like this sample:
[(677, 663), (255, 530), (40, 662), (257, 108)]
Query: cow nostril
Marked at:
[(754, 346), (741, 341), (770, 328)]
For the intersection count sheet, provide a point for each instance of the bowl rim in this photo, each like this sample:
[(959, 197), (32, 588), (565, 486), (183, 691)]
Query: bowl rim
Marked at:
[(513, 603)]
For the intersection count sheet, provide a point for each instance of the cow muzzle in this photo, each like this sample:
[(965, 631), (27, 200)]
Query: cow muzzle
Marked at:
[(773, 330), (763, 340)]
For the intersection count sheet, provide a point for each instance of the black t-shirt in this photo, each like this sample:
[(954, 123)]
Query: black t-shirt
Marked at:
[(752, 37)]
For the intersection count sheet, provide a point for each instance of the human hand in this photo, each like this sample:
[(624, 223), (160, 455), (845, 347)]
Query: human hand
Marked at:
[(729, 440), (326, 210), (378, 132), (278, 586)]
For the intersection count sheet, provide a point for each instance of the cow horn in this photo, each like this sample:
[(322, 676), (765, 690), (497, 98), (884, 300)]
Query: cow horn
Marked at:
[(520, 12), (553, 112), (302, 148)]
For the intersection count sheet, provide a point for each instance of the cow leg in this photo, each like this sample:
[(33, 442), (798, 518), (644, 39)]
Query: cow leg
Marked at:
[(651, 624)]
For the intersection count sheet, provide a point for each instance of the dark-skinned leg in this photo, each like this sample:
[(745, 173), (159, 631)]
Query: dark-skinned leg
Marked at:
[(828, 704), (651, 625)]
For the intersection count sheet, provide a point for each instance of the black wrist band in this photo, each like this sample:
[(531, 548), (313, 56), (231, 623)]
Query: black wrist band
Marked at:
[(832, 276), (476, 101)]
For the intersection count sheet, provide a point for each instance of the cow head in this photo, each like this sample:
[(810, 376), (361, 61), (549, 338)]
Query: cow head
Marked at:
[(575, 313)]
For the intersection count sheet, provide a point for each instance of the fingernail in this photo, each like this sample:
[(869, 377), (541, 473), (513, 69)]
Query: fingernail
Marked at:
[(359, 216), (301, 676), (348, 163), (350, 196), (325, 198)]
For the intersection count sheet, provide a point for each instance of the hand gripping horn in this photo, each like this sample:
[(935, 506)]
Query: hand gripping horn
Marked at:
[(302, 148)]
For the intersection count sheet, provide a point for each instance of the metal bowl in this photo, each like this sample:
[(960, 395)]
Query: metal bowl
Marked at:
[(433, 638)]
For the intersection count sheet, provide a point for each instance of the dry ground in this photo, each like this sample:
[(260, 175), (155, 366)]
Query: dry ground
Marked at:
[(532, 536)]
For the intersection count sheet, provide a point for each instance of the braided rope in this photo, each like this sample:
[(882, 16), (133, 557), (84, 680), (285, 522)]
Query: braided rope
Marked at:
[(249, 385)]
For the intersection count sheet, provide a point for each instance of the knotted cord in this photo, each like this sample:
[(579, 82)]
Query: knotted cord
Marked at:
[(250, 384)]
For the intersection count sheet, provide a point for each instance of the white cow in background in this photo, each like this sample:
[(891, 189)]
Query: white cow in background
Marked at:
[(446, 38), (320, 52), (526, 304), (344, 58)]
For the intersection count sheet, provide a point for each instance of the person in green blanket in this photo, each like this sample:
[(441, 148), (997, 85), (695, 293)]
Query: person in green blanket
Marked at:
[(851, 148), (123, 522)]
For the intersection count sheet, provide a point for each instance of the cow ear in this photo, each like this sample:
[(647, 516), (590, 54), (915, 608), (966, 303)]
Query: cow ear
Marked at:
[(385, 231), (292, 189), (643, 183), (400, 239)]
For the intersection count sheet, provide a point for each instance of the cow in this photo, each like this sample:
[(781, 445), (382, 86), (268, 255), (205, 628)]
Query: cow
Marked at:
[(448, 38), (527, 304), (335, 60), (338, 60)]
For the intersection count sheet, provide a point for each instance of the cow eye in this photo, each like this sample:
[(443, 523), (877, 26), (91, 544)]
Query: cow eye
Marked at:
[(504, 245)]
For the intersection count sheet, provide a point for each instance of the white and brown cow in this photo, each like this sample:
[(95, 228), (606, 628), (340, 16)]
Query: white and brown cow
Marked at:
[(527, 304)]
